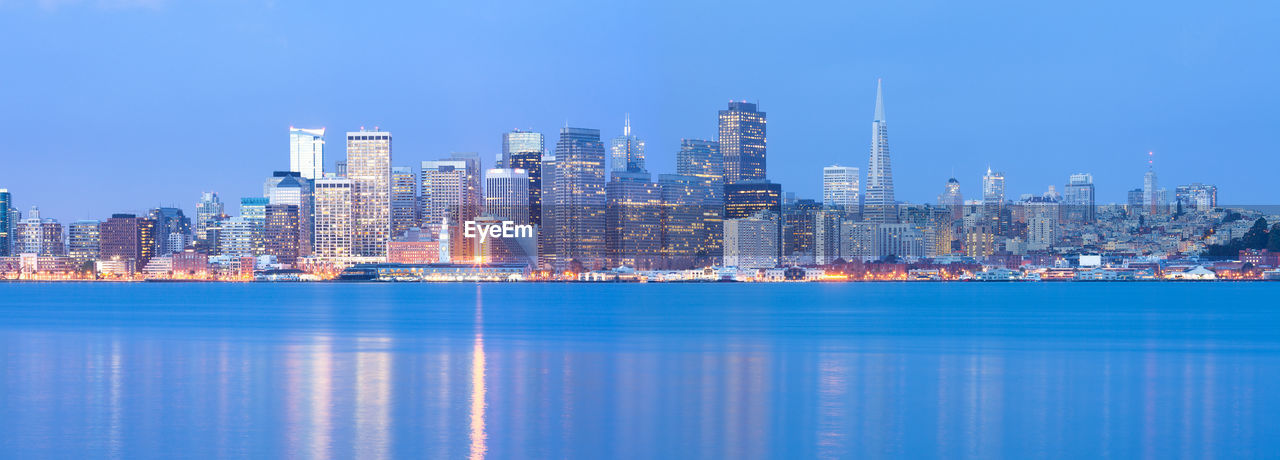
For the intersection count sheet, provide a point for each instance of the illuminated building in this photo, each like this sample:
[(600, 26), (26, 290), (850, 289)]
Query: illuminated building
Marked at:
[(254, 211), (952, 200), (290, 188), (413, 247), (333, 218), (751, 242), (748, 198), (858, 241), (627, 151), (902, 240), (6, 224), (1043, 215), (1197, 197), (443, 198), (633, 220), (524, 150), (683, 226), (83, 240), (980, 242), (742, 142), (209, 211), (574, 209), (799, 232), (506, 195), (173, 230), (42, 237), (306, 152), (1078, 199), (840, 188), (240, 236), (369, 168), (283, 235), (702, 159), (879, 204), (826, 235), (404, 200), (127, 237)]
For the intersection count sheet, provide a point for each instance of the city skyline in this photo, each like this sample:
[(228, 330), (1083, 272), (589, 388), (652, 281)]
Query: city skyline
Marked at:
[(1132, 87)]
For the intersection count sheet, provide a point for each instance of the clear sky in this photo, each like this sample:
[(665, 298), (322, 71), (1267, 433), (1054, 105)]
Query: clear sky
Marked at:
[(122, 105)]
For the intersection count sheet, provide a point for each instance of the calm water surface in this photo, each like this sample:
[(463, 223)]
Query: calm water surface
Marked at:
[(1028, 370)]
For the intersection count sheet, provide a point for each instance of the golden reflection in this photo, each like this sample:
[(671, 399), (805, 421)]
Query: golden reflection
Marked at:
[(478, 436), (373, 371)]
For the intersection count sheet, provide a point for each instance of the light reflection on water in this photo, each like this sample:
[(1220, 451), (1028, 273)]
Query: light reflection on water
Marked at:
[(376, 371)]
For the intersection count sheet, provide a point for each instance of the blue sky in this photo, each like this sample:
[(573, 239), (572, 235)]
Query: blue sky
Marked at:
[(118, 105)]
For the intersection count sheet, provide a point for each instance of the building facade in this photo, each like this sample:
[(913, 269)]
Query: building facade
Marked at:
[(306, 152), (742, 142), (369, 168), (840, 188)]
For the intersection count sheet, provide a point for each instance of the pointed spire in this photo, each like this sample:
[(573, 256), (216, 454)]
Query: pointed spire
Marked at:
[(626, 126), (879, 100)]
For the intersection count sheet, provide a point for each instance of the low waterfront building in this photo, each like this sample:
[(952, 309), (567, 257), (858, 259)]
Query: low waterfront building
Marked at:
[(435, 272)]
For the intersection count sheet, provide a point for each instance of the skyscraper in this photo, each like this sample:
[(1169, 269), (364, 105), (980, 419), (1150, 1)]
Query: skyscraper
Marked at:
[(702, 159), (306, 152), (993, 189), (683, 226), (524, 150), (290, 188), (6, 227), (633, 220), (749, 199), (576, 205), (38, 236), (799, 231), (627, 151), (334, 217), (128, 237), (369, 168), (879, 203), (840, 187), (1151, 193), (1078, 198), (209, 211), (404, 200), (83, 240), (506, 195), (742, 142), (443, 194), (253, 210), (952, 200), (173, 230), (282, 234)]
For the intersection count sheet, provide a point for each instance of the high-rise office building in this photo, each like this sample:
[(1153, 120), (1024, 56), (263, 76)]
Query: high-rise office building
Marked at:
[(993, 189), (1197, 197), (742, 142), (524, 150), (752, 242), (369, 168), (683, 227), (42, 237), (173, 230), (840, 188), (306, 152), (745, 199), (1078, 198), (627, 151), (127, 237), (748, 199), (83, 240), (404, 200), (283, 232), (254, 211), (209, 211), (799, 230), (445, 196), (1043, 214), (6, 226), (334, 218), (241, 236), (506, 195), (573, 211), (290, 188), (633, 220), (879, 203), (702, 159), (951, 199)]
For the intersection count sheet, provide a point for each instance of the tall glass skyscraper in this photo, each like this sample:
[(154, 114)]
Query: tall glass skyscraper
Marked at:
[(627, 151), (404, 200), (742, 142), (524, 150), (209, 211), (369, 168), (6, 227), (1078, 198), (333, 217), (306, 152), (506, 195), (574, 213), (879, 203)]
